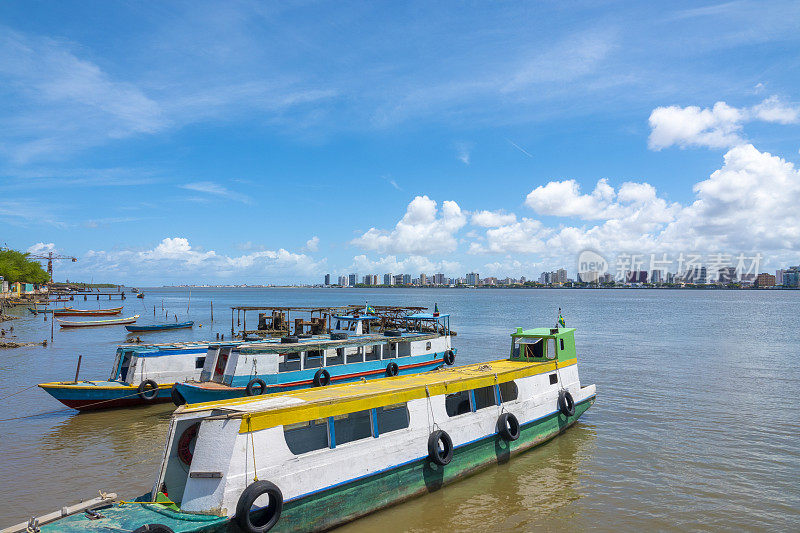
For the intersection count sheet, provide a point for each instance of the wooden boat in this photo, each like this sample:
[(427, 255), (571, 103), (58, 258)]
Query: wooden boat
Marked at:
[(141, 374), (140, 295), (318, 360), (89, 312), (35, 310), (160, 327), (92, 323), (311, 460)]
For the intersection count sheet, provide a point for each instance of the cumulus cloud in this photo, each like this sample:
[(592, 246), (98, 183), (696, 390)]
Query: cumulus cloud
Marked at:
[(312, 244), (492, 219), (424, 229), (463, 152), (411, 264), (718, 127), (175, 258), (564, 199)]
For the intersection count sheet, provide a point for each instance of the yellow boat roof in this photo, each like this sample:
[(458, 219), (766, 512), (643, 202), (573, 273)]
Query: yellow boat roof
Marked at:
[(320, 402)]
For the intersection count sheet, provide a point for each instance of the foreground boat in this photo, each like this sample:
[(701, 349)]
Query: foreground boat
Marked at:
[(92, 323), (314, 459), (161, 327), (88, 312), (349, 353)]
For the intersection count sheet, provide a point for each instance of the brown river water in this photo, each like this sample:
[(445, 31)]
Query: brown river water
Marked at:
[(694, 427)]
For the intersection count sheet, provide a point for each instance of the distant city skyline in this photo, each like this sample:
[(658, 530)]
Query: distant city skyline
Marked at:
[(240, 143)]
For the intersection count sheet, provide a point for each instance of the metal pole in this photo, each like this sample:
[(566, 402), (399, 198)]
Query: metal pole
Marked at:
[(52, 322), (212, 310), (231, 320), (77, 370)]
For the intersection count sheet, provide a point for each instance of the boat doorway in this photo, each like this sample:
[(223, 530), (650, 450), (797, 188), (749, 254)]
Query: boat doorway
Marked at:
[(222, 362)]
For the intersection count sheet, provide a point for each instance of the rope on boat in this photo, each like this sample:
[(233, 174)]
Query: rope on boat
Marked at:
[(60, 410), (253, 444), (14, 394)]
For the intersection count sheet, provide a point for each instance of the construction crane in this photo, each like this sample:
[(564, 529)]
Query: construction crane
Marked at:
[(50, 256)]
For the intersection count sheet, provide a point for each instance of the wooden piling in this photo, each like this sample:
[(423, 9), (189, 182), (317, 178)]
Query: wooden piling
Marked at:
[(231, 320), (212, 310)]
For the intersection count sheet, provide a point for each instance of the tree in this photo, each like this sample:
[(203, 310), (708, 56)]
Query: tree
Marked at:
[(15, 266)]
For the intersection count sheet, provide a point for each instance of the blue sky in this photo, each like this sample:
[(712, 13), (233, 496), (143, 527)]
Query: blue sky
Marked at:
[(275, 142)]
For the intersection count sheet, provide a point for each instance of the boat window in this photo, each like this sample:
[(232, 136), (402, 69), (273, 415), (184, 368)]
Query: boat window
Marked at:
[(390, 350), (508, 392), (288, 362), (515, 348), (562, 344), (535, 349), (428, 345), (553, 378), (199, 362), (337, 359), (457, 404), (338, 324), (551, 348), (371, 353), (392, 418), (484, 397), (353, 426), (305, 437), (354, 355), (313, 359)]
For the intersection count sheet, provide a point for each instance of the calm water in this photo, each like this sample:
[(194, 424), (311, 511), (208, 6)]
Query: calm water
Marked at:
[(694, 428)]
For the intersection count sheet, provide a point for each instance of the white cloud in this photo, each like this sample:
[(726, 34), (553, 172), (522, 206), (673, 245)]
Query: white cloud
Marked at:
[(42, 248), (463, 152), (563, 199), (718, 127), (424, 229), (525, 236), (312, 244), (774, 110), (174, 258), (492, 219), (413, 264), (215, 189)]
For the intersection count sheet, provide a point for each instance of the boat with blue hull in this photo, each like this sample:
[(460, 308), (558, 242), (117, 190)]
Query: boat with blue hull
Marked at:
[(142, 374), (349, 353), (314, 459), (160, 327)]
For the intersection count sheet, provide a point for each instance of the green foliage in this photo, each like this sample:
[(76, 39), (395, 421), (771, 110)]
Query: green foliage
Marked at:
[(15, 266)]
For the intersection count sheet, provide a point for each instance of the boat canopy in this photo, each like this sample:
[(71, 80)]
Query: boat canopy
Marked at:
[(426, 316), (356, 318)]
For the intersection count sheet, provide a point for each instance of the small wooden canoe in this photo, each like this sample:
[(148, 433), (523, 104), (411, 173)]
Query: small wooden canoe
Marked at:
[(34, 310), (159, 327), (89, 312), (91, 323)]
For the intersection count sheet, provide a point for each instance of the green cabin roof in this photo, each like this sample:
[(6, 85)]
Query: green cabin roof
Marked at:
[(539, 333)]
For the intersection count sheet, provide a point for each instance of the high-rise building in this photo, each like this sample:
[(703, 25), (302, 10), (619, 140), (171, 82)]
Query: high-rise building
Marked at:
[(327, 279), (367, 280), (343, 281), (655, 276), (779, 277), (406, 279), (439, 279), (791, 277), (388, 279), (473, 278), (352, 279), (561, 276), (545, 278), (423, 279), (398, 279), (765, 280)]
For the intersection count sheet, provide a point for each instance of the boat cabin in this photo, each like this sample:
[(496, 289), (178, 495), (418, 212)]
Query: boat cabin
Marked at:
[(353, 325), (160, 363), (542, 344)]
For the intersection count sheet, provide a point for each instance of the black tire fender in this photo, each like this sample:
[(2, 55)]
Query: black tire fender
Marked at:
[(393, 333), (264, 519), (565, 403), (289, 339), (154, 528), (392, 369), (322, 378), (449, 357), (338, 336), (440, 456), (508, 427), (177, 397), (254, 384), (148, 390)]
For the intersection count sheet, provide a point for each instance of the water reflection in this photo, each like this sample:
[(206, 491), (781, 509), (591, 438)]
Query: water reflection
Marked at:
[(512, 496)]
